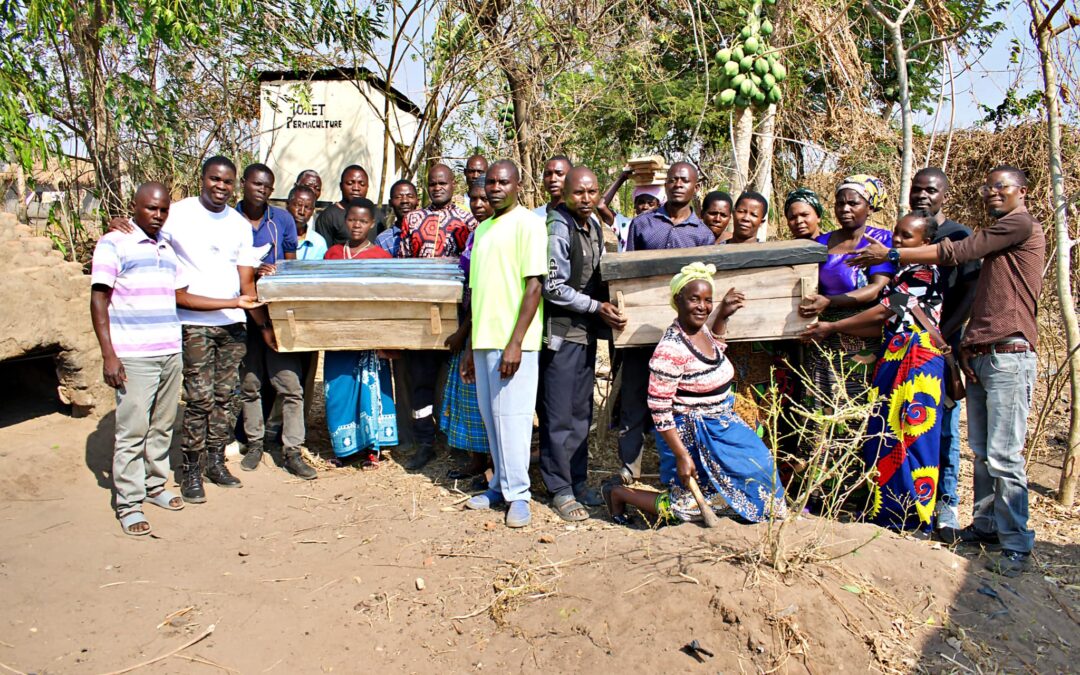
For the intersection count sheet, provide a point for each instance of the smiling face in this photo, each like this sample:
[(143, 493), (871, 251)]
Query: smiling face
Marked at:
[(717, 215), (909, 232), (581, 192), (554, 176), (403, 200), (803, 220), (681, 184), (257, 187), (479, 204), (359, 221), (301, 205), (851, 210), (1005, 199), (694, 305), (502, 187), (440, 185), (927, 193), (354, 183), (150, 208), (217, 185), (748, 216)]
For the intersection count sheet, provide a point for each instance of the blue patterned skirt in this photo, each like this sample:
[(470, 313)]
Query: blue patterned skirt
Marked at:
[(359, 402), (733, 465), (460, 419)]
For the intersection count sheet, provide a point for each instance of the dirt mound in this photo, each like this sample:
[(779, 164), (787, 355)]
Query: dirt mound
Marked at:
[(382, 571), (47, 312)]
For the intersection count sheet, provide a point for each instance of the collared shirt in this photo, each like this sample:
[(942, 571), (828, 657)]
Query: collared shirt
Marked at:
[(313, 247), (435, 232), (655, 229), (1006, 301), (390, 240), (277, 228), (143, 274), (210, 246)]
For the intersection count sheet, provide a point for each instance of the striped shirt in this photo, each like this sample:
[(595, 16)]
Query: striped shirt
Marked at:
[(684, 381), (143, 275)]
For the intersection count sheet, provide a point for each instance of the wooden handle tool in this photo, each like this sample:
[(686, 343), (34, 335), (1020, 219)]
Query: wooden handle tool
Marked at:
[(707, 514)]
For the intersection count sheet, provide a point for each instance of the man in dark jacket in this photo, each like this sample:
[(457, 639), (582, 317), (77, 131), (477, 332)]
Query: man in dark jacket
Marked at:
[(576, 312)]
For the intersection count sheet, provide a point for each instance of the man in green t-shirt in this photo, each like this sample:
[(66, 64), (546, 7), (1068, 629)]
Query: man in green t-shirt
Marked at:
[(509, 257)]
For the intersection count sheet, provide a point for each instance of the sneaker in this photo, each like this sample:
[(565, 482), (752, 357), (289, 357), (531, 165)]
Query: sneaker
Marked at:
[(970, 535), (489, 499), (1010, 563), (251, 459), (519, 514)]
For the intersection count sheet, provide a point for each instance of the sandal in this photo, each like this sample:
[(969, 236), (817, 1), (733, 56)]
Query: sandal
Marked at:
[(371, 463), (605, 492), (164, 499), (130, 519), (569, 508)]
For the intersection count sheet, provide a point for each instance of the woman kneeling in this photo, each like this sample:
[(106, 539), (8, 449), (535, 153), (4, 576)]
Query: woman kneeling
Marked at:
[(699, 436)]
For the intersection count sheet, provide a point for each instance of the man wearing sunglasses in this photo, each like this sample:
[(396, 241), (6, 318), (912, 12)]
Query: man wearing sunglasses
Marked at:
[(276, 228), (998, 356)]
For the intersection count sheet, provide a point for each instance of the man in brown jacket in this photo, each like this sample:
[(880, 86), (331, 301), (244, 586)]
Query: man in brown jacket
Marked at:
[(998, 357)]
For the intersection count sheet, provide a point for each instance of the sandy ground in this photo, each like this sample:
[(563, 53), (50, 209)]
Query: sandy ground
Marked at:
[(326, 576)]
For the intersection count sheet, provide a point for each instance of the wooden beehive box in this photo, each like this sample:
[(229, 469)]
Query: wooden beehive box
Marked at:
[(336, 305), (775, 276)]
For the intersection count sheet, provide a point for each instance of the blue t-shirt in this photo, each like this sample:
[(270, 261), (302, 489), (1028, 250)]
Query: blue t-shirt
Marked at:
[(276, 228)]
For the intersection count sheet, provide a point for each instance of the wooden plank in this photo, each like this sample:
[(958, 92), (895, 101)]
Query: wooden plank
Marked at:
[(344, 289), (767, 319), (339, 335), (355, 310), (764, 282), (725, 257)]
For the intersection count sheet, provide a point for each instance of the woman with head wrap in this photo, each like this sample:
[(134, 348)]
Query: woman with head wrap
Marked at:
[(803, 211), (845, 291), (698, 434)]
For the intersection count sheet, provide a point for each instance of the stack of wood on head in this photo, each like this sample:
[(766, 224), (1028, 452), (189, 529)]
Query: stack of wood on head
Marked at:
[(774, 276), (335, 305), (650, 170)]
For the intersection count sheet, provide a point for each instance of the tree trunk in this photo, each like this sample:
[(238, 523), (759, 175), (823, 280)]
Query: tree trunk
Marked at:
[(20, 188), (908, 148), (1067, 485), (740, 142), (763, 172)]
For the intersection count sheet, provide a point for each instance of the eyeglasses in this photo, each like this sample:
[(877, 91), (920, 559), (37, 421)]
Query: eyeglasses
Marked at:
[(985, 190)]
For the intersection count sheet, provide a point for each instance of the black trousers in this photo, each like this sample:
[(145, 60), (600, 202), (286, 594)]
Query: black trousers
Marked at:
[(423, 368), (634, 413), (568, 376)]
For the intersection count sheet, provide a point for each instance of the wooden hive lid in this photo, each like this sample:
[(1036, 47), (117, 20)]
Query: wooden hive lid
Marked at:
[(637, 264), (388, 280)]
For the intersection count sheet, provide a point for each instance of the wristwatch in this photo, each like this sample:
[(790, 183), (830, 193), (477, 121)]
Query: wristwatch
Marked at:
[(893, 256)]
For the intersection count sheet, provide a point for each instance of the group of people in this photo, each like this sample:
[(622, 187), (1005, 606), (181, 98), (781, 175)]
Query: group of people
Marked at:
[(173, 301)]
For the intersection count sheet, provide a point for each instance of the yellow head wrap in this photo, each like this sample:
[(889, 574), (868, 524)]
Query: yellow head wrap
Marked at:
[(692, 272)]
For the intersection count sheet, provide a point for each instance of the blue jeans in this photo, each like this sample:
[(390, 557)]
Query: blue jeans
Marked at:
[(507, 408), (998, 406), (948, 487)]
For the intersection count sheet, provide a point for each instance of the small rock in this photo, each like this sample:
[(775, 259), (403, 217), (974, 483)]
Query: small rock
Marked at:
[(728, 615), (547, 539), (490, 525), (243, 535), (420, 585), (242, 553), (429, 561)]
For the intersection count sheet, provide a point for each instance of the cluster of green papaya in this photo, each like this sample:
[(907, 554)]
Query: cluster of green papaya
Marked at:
[(750, 75), (506, 118)]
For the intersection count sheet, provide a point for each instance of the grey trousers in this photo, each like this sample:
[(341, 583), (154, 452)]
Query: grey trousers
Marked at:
[(283, 370), (506, 406), (998, 406), (145, 413)]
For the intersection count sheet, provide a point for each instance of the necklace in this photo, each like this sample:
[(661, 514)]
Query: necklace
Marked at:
[(349, 252)]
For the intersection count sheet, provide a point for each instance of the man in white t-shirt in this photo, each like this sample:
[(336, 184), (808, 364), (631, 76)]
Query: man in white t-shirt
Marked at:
[(214, 245)]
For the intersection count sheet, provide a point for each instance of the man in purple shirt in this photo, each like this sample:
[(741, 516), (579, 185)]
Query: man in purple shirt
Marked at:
[(671, 225)]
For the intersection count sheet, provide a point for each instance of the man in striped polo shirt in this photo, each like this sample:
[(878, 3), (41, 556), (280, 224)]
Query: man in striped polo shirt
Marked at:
[(136, 280)]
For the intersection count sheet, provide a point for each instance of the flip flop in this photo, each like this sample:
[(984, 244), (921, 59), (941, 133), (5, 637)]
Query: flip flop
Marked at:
[(130, 519), (162, 499), (566, 505), (371, 463)]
